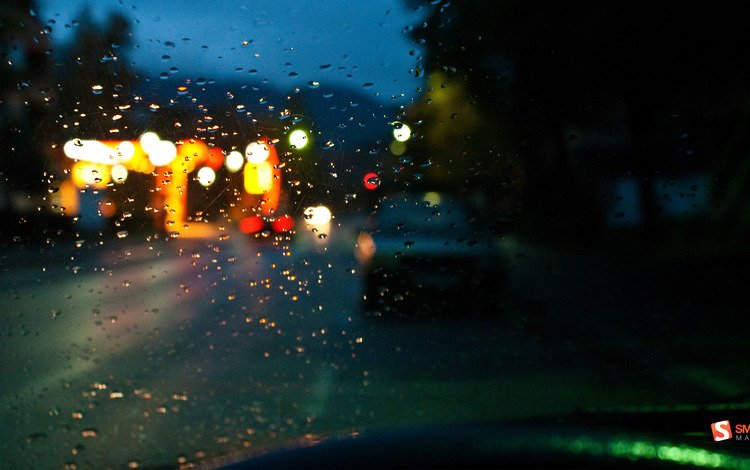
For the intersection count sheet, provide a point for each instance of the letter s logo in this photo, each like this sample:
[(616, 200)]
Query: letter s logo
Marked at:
[(721, 430)]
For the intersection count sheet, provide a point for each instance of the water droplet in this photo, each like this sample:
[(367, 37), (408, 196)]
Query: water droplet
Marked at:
[(325, 66), (201, 81), (122, 234), (368, 85), (164, 75), (79, 243), (37, 436), (90, 432), (97, 89), (313, 84), (328, 145), (247, 42), (322, 236), (373, 181), (55, 313)]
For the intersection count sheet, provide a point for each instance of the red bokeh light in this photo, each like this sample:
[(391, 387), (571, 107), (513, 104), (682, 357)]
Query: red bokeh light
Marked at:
[(251, 224), (371, 181), (282, 224)]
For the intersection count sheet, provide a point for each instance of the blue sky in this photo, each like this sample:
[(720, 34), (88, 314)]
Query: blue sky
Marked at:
[(336, 43)]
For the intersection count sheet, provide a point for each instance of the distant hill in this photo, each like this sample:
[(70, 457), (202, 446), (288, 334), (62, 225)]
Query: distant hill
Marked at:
[(347, 117), (351, 128)]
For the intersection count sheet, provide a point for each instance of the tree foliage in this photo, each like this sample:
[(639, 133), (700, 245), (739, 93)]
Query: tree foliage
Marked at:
[(579, 92)]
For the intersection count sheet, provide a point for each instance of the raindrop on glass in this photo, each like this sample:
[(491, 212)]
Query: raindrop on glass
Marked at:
[(373, 181)]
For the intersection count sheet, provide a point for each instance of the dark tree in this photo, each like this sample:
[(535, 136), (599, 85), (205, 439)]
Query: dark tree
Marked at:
[(584, 91), (96, 82), (24, 97)]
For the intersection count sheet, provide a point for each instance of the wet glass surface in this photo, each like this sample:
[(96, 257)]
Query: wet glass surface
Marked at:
[(245, 226)]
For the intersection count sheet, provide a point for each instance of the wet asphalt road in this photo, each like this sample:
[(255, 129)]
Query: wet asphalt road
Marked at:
[(140, 353)]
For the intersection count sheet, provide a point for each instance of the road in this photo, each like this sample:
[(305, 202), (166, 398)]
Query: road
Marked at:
[(136, 352)]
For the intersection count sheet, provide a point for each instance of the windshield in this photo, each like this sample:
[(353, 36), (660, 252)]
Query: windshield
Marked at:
[(229, 228)]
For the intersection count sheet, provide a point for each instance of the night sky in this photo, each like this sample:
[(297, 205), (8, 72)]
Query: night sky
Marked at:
[(335, 43)]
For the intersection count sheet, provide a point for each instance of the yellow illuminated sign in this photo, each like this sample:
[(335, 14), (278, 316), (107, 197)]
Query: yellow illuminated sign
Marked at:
[(90, 175), (258, 177)]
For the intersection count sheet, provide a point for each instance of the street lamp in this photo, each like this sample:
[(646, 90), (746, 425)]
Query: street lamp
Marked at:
[(401, 132), (257, 152), (298, 139), (206, 176), (234, 161)]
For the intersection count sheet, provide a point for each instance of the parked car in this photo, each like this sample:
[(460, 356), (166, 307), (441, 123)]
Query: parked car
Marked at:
[(426, 253)]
